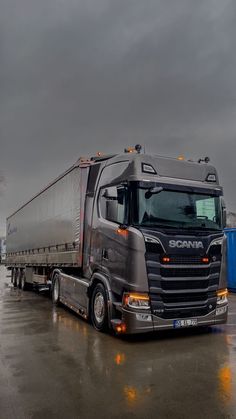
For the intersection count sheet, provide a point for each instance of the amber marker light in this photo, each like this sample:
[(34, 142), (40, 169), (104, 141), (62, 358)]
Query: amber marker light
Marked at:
[(222, 293), (222, 296), (165, 259), (122, 232), (205, 260), (181, 157), (136, 300), (121, 328), (130, 150)]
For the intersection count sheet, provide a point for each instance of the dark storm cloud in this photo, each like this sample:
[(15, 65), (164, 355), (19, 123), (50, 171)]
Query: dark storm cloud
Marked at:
[(81, 76)]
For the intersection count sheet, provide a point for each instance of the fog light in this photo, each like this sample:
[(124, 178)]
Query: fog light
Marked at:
[(140, 301), (222, 296)]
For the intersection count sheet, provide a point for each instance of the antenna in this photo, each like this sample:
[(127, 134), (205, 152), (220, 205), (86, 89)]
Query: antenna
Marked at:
[(138, 148), (204, 160)]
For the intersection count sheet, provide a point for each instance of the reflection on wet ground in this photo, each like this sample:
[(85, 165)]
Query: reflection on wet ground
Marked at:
[(55, 365)]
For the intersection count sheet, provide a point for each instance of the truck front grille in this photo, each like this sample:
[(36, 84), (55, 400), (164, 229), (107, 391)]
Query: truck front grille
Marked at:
[(181, 285), (184, 289), (184, 297), (181, 272), (185, 260)]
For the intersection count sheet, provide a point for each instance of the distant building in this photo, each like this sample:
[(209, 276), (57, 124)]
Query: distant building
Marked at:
[(231, 219), (2, 249)]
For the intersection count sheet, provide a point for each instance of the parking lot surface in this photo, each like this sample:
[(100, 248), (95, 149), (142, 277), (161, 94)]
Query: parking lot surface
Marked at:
[(55, 365)]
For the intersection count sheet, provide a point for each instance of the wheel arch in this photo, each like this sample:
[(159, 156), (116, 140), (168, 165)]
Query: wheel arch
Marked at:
[(54, 273)]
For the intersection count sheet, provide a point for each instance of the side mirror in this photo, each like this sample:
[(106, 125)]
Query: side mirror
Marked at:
[(121, 195), (224, 217), (106, 195), (224, 214)]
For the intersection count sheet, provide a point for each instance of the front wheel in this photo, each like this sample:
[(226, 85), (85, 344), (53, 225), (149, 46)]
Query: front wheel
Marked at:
[(56, 290), (99, 309)]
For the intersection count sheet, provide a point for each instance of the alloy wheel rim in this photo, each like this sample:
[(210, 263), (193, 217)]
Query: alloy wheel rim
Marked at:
[(99, 307)]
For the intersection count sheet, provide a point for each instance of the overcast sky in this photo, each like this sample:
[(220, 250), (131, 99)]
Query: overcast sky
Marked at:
[(81, 76)]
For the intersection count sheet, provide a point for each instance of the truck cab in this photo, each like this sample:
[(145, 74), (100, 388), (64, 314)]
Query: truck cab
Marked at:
[(155, 235)]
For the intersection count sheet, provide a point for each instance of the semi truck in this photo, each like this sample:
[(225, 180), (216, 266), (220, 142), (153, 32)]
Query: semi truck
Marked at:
[(132, 242)]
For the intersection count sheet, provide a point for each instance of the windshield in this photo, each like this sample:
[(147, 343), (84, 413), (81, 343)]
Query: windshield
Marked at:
[(161, 207)]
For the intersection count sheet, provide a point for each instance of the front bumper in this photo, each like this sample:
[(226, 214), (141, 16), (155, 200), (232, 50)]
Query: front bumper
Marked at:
[(141, 322)]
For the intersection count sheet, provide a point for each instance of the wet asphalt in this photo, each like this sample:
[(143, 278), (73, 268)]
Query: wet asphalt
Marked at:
[(55, 365)]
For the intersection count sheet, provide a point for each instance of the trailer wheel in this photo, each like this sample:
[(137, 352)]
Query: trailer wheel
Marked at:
[(18, 279), (99, 310), (56, 290), (23, 283), (15, 278)]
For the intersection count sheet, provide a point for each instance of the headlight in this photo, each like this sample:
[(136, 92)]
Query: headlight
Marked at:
[(222, 296), (140, 301), (217, 242)]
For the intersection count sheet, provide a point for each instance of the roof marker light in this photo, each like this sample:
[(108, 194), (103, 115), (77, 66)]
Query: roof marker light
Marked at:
[(130, 150), (147, 168), (211, 177)]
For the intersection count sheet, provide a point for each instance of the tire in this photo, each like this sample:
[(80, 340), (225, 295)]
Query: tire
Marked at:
[(99, 308), (15, 278), (23, 283), (19, 283), (12, 276), (56, 290)]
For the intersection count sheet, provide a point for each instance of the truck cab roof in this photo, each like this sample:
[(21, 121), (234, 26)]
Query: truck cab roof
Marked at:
[(155, 167)]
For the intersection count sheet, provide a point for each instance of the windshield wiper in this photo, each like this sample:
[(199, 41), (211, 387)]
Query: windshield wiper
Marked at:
[(159, 225), (201, 228)]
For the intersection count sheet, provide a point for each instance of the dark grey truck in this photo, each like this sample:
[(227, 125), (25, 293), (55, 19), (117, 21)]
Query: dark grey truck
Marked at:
[(134, 242)]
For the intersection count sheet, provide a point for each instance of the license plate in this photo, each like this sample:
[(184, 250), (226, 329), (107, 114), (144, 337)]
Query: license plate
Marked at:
[(184, 323)]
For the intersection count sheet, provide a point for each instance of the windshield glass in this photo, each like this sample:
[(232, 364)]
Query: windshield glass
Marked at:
[(161, 207)]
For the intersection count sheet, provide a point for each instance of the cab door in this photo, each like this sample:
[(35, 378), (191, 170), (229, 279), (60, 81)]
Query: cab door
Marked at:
[(113, 233)]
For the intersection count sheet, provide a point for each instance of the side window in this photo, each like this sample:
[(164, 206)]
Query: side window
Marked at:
[(206, 209), (112, 203), (113, 171)]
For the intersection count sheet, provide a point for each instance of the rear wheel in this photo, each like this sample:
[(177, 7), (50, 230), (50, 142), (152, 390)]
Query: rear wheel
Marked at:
[(16, 278), (23, 283), (99, 309), (56, 290)]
